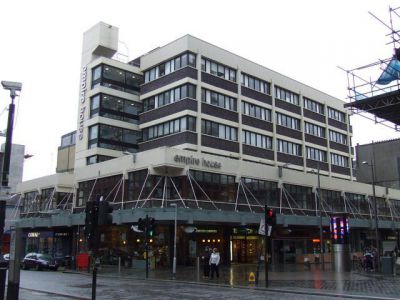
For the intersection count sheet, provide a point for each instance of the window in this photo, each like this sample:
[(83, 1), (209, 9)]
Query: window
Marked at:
[(337, 137), (256, 139), (255, 84), (314, 130), (68, 139), (217, 99), (316, 154), (96, 74), (287, 121), (256, 111), (174, 64), (286, 95), (186, 123), (289, 148), (170, 96), (218, 69), (314, 106), (218, 130), (94, 159), (339, 160), (336, 115), (115, 108), (114, 138), (116, 78)]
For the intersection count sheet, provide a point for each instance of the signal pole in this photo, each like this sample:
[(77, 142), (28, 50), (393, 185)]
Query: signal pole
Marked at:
[(266, 241), (146, 245)]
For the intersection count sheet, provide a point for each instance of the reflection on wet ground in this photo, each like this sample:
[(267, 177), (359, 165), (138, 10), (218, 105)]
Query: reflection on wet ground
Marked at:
[(288, 277)]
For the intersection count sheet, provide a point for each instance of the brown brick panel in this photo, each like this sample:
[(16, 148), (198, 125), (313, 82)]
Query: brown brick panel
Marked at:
[(289, 132), (339, 147), (212, 142), (167, 79), (337, 124), (256, 95), (250, 121), (313, 115), (340, 170), (316, 140), (169, 109), (258, 152), (219, 82), (219, 112), (288, 106), (170, 140), (314, 164), (291, 159)]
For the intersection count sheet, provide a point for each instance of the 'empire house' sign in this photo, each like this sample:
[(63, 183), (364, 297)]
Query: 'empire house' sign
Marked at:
[(190, 160)]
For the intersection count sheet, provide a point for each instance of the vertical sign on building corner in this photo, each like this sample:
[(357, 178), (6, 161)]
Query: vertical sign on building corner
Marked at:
[(82, 104)]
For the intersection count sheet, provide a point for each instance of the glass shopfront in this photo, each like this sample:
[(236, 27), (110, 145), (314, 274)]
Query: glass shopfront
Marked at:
[(245, 245), (55, 243)]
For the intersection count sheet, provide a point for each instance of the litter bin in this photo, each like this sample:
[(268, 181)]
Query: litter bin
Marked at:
[(387, 265)]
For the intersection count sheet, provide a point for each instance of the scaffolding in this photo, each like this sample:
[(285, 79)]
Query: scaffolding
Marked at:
[(373, 89)]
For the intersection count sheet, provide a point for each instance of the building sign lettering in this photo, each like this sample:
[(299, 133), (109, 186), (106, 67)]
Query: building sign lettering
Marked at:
[(82, 99), (190, 160), (33, 234)]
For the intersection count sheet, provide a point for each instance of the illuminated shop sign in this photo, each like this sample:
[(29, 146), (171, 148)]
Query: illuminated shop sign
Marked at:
[(33, 234), (61, 234), (340, 230), (82, 99), (207, 231), (194, 161)]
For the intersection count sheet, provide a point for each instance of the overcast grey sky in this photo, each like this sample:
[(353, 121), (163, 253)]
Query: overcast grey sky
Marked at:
[(306, 40)]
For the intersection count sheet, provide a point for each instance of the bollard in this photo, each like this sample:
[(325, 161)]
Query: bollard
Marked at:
[(119, 265), (198, 267)]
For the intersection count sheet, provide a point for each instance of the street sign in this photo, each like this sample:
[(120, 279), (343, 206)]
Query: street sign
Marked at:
[(261, 229)]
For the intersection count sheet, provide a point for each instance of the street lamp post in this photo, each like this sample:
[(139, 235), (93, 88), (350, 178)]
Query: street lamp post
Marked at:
[(175, 228), (371, 164), (13, 276), (321, 235), (13, 87)]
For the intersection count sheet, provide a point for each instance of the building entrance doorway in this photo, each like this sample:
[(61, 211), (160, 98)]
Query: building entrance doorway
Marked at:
[(244, 249)]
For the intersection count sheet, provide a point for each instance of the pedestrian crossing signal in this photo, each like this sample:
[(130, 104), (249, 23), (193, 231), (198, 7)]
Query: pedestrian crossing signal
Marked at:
[(270, 217)]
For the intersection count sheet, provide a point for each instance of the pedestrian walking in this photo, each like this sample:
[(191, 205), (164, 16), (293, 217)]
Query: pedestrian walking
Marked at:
[(214, 262), (206, 261)]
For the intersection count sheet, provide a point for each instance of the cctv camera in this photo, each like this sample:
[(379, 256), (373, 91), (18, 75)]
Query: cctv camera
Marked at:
[(11, 85)]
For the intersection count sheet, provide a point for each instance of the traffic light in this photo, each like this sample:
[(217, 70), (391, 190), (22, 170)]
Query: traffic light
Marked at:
[(270, 217), (141, 224), (151, 226), (91, 223), (105, 210)]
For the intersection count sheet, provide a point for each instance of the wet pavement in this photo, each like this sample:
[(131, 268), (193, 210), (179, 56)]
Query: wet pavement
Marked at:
[(62, 286), (291, 278), (289, 282)]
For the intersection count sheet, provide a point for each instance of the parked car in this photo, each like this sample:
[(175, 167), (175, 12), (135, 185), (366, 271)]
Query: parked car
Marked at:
[(4, 260), (39, 262)]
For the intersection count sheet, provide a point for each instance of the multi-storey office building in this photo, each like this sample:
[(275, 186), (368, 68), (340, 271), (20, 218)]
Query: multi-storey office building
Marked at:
[(194, 125)]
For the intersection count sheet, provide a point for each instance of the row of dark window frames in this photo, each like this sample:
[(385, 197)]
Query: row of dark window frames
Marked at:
[(117, 79), (128, 110), (119, 82), (115, 108), (213, 129), (220, 70)]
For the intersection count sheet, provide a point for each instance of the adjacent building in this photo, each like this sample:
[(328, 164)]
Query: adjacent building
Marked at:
[(384, 156), (220, 136)]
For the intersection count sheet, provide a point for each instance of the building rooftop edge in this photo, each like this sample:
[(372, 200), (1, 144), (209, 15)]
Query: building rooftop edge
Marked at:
[(240, 56)]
